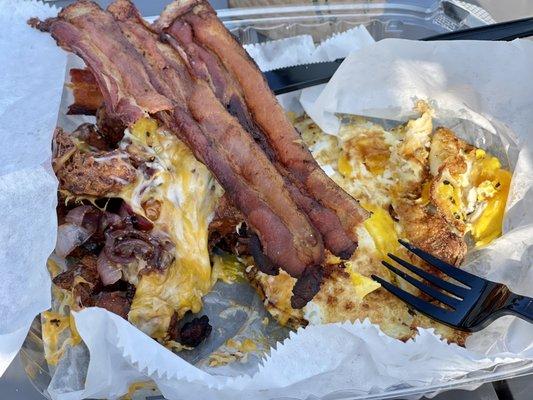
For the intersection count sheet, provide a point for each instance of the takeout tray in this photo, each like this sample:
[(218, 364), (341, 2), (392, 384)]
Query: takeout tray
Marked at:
[(383, 20)]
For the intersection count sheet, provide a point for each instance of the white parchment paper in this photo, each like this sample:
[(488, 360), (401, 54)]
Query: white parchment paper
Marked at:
[(302, 50), (31, 82), (349, 359)]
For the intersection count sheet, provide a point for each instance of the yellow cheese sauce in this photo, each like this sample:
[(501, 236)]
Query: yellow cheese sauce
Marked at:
[(136, 386), (234, 350), (185, 190), (59, 331), (227, 268)]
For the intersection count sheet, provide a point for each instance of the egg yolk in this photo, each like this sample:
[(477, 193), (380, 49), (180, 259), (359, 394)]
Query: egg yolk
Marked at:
[(450, 198), (488, 226), (380, 226), (425, 194), (344, 166), (374, 152), (492, 183), (363, 285)]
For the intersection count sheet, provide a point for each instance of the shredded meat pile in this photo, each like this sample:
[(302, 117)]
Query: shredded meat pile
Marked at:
[(90, 173), (187, 71)]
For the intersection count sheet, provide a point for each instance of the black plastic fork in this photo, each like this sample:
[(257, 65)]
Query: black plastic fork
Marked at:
[(471, 306)]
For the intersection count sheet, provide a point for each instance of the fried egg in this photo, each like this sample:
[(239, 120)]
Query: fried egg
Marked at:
[(419, 183)]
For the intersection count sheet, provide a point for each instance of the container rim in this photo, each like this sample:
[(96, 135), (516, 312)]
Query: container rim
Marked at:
[(364, 8)]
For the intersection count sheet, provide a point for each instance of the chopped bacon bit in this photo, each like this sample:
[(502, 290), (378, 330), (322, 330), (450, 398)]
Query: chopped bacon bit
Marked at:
[(195, 332)]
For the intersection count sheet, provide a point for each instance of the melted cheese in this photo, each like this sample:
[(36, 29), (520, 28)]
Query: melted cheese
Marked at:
[(233, 350), (136, 386), (186, 192), (227, 268), (53, 267), (59, 331), (246, 346)]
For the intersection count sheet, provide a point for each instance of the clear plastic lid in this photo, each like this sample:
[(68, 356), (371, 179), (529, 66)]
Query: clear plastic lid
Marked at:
[(411, 19)]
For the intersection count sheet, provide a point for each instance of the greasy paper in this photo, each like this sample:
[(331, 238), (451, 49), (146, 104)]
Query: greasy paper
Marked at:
[(353, 359), (476, 81)]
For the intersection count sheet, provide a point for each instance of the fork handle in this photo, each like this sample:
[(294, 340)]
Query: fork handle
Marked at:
[(521, 306)]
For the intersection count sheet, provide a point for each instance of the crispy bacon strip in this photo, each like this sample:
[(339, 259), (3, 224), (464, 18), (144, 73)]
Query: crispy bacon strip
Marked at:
[(83, 28), (205, 65), (209, 33), (244, 155), (87, 95), (157, 82)]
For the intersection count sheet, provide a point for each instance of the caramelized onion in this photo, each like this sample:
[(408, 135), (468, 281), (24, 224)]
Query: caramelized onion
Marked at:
[(123, 246), (137, 221), (141, 223), (85, 216), (70, 236), (109, 272), (126, 245), (164, 254), (109, 220)]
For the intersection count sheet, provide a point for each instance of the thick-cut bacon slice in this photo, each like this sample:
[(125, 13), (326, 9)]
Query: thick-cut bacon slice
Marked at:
[(200, 34), (87, 95), (205, 65), (170, 76), (83, 28), (156, 82)]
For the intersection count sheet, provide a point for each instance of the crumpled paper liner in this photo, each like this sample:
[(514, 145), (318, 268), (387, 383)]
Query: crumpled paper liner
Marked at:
[(302, 50), (351, 358), (30, 91), (382, 80)]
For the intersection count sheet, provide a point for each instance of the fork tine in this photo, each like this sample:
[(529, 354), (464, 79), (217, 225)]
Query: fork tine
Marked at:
[(454, 272), (423, 306), (450, 301), (449, 287)]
